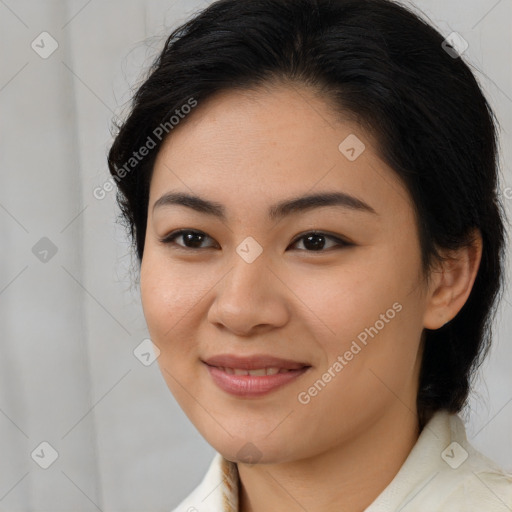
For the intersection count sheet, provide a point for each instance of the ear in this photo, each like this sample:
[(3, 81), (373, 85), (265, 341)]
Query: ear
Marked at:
[(452, 283)]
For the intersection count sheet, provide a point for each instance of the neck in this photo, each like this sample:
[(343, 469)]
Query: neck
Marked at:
[(349, 476)]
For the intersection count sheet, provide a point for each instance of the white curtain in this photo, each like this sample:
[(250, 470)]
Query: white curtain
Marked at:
[(73, 397)]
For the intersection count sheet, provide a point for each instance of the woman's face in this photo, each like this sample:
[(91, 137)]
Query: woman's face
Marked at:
[(347, 302)]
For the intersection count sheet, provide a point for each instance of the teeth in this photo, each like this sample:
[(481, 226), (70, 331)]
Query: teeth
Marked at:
[(258, 372)]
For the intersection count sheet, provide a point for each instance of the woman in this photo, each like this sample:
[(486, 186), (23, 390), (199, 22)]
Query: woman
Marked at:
[(311, 190)]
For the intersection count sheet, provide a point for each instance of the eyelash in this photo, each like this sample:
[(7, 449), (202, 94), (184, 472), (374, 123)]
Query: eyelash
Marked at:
[(169, 240)]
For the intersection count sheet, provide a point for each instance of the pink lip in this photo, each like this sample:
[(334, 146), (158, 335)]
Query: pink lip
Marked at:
[(252, 385)]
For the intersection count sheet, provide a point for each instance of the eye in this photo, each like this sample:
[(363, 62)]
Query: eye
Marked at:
[(314, 241), (192, 238)]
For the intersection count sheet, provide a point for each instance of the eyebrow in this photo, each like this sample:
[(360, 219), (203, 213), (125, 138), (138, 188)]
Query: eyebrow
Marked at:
[(276, 211)]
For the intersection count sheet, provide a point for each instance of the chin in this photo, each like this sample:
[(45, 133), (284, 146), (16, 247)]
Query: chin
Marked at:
[(243, 450)]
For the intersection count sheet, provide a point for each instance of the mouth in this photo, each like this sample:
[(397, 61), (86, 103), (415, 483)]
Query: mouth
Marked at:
[(259, 372), (254, 362), (255, 376)]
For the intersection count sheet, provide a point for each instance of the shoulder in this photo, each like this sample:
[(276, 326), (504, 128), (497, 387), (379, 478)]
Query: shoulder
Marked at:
[(478, 483), (444, 472), (487, 491), (467, 480)]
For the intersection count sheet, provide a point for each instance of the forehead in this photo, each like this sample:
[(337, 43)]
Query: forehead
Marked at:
[(260, 146)]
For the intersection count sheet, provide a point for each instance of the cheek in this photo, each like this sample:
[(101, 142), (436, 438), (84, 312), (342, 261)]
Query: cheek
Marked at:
[(343, 301), (369, 358), (365, 310), (168, 290), (171, 295)]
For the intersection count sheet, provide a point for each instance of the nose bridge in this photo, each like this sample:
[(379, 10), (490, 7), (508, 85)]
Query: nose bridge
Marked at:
[(250, 263)]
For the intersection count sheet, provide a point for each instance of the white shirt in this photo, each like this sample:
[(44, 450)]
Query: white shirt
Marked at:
[(442, 473)]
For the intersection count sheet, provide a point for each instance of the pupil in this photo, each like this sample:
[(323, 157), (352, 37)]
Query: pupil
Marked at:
[(310, 242), (189, 237)]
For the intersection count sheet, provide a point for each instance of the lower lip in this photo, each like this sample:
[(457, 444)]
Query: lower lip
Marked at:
[(252, 385)]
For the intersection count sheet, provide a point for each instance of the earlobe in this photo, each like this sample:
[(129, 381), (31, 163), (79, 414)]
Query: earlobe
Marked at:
[(453, 283)]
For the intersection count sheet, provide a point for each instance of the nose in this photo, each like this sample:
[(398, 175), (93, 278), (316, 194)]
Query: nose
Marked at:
[(251, 298)]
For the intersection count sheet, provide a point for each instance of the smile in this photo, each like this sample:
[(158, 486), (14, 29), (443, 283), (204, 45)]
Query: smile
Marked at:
[(253, 383), (257, 372)]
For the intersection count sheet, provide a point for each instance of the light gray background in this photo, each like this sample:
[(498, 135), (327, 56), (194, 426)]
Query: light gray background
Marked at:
[(69, 326)]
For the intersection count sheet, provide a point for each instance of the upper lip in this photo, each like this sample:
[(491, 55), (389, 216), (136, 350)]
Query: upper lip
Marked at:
[(253, 362)]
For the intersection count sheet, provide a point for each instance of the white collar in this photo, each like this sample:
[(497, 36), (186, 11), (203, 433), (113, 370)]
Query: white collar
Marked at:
[(442, 470)]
